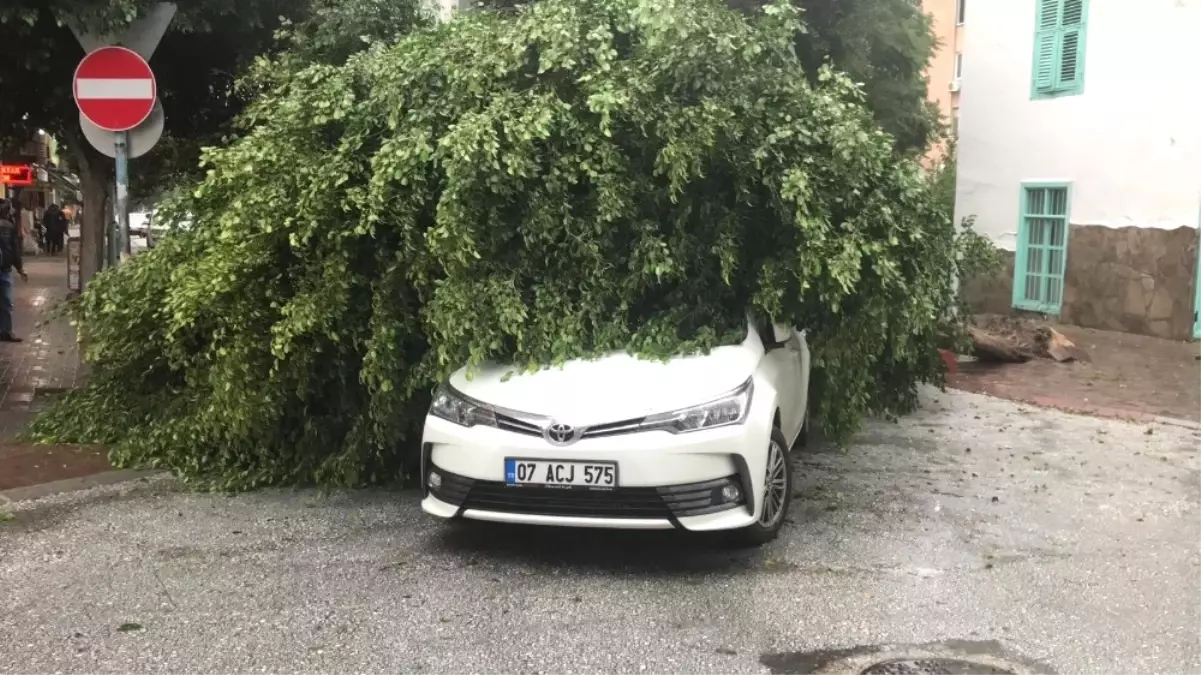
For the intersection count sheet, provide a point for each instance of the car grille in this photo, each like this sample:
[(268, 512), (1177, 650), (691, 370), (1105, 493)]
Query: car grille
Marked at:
[(617, 503), (515, 423), (632, 502)]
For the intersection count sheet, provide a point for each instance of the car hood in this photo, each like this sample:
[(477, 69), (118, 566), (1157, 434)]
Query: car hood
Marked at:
[(614, 387)]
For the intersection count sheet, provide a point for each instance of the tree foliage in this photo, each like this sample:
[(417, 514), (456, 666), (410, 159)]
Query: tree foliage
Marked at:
[(335, 30), (884, 45), (580, 177)]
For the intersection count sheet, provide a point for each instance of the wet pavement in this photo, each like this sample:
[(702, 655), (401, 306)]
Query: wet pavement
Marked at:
[(33, 373), (47, 363), (1022, 539)]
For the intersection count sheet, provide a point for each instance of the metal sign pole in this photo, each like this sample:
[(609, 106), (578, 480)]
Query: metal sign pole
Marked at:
[(122, 148), (110, 227)]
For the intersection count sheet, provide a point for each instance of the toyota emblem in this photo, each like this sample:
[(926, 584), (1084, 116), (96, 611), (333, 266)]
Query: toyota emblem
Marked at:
[(560, 434)]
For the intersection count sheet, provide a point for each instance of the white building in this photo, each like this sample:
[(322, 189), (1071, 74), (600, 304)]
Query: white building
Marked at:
[(1080, 153)]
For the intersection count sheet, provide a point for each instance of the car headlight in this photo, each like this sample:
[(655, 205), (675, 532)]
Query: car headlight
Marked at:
[(726, 411), (452, 406)]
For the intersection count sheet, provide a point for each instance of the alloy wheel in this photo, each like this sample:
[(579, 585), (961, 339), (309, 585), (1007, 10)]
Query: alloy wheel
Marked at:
[(775, 488)]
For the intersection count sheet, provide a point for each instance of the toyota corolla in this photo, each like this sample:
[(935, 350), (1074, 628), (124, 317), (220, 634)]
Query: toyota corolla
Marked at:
[(697, 443)]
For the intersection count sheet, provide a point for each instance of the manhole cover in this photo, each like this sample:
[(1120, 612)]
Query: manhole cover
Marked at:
[(934, 667)]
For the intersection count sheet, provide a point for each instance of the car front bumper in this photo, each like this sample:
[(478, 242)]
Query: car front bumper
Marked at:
[(665, 481)]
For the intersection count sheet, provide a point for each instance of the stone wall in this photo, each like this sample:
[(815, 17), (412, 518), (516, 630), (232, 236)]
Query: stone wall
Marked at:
[(992, 294), (1132, 279)]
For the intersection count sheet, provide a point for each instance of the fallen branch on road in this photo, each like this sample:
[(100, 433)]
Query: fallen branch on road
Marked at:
[(995, 349)]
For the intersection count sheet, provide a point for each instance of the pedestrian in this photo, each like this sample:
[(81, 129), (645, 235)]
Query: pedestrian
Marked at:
[(55, 224), (39, 232), (28, 224), (10, 259)]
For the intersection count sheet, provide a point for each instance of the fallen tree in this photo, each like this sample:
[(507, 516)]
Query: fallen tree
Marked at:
[(987, 347), (1018, 339), (578, 177)]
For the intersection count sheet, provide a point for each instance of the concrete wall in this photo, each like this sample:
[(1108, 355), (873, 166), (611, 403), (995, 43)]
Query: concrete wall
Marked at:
[(1130, 144), (992, 294)]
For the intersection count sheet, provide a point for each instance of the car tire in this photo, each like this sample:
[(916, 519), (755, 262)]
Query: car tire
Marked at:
[(761, 532)]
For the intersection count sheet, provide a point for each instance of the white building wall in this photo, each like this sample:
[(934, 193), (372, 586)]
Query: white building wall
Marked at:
[(1130, 144)]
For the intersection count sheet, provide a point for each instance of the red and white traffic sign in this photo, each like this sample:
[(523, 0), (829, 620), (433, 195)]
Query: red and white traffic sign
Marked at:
[(115, 88)]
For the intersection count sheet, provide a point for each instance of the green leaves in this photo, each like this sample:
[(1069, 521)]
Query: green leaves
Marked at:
[(578, 177)]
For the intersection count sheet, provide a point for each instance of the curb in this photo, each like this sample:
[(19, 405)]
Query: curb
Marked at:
[(1173, 422), (1076, 408), (75, 484)]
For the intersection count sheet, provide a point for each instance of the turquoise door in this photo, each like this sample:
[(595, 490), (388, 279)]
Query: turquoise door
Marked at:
[(1197, 291)]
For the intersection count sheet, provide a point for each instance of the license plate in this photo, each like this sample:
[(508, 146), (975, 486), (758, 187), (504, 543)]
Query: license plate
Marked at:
[(602, 475)]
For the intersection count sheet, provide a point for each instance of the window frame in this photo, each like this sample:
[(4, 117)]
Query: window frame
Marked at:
[(1197, 290), (958, 66), (1059, 89), (960, 11), (1022, 254)]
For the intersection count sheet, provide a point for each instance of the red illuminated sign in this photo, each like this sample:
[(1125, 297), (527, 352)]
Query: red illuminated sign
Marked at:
[(16, 175)]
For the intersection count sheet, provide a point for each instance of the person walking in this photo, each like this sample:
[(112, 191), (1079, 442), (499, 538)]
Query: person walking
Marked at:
[(39, 231), (27, 223), (10, 259), (55, 224)]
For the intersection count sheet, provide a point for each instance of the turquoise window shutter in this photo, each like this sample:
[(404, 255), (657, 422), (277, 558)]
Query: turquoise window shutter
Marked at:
[(1059, 40), (1046, 38), (1070, 70)]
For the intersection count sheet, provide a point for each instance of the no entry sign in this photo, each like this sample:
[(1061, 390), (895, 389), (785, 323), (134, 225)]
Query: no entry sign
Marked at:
[(115, 88)]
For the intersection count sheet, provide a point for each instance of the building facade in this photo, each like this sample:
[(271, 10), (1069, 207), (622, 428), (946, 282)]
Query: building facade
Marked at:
[(24, 172), (1079, 155), (945, 72)]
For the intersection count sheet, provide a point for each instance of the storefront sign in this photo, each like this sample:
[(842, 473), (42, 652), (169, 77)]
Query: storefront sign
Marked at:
[(16, 175)]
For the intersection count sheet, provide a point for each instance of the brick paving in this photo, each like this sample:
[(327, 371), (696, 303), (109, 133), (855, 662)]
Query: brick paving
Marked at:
[(33, 372), (1133, 377)]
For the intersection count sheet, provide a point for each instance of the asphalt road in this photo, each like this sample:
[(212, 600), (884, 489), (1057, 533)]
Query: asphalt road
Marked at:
[(1036, 540)]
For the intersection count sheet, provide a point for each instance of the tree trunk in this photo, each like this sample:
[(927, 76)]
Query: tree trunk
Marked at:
[(95, 175), (991, 348)]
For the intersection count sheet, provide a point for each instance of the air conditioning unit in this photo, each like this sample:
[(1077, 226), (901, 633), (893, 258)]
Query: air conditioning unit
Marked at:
[(954, 85)]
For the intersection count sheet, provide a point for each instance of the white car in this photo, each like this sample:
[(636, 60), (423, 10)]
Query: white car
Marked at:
[(699, 443), (139, 223)]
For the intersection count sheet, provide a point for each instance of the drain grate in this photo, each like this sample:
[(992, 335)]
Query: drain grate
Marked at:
[(934, 667)]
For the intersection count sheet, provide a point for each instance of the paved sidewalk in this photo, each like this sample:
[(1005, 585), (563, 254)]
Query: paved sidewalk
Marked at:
[(32, 373)]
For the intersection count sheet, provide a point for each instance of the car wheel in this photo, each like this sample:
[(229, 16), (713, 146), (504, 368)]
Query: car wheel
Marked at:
[(777, 496)]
